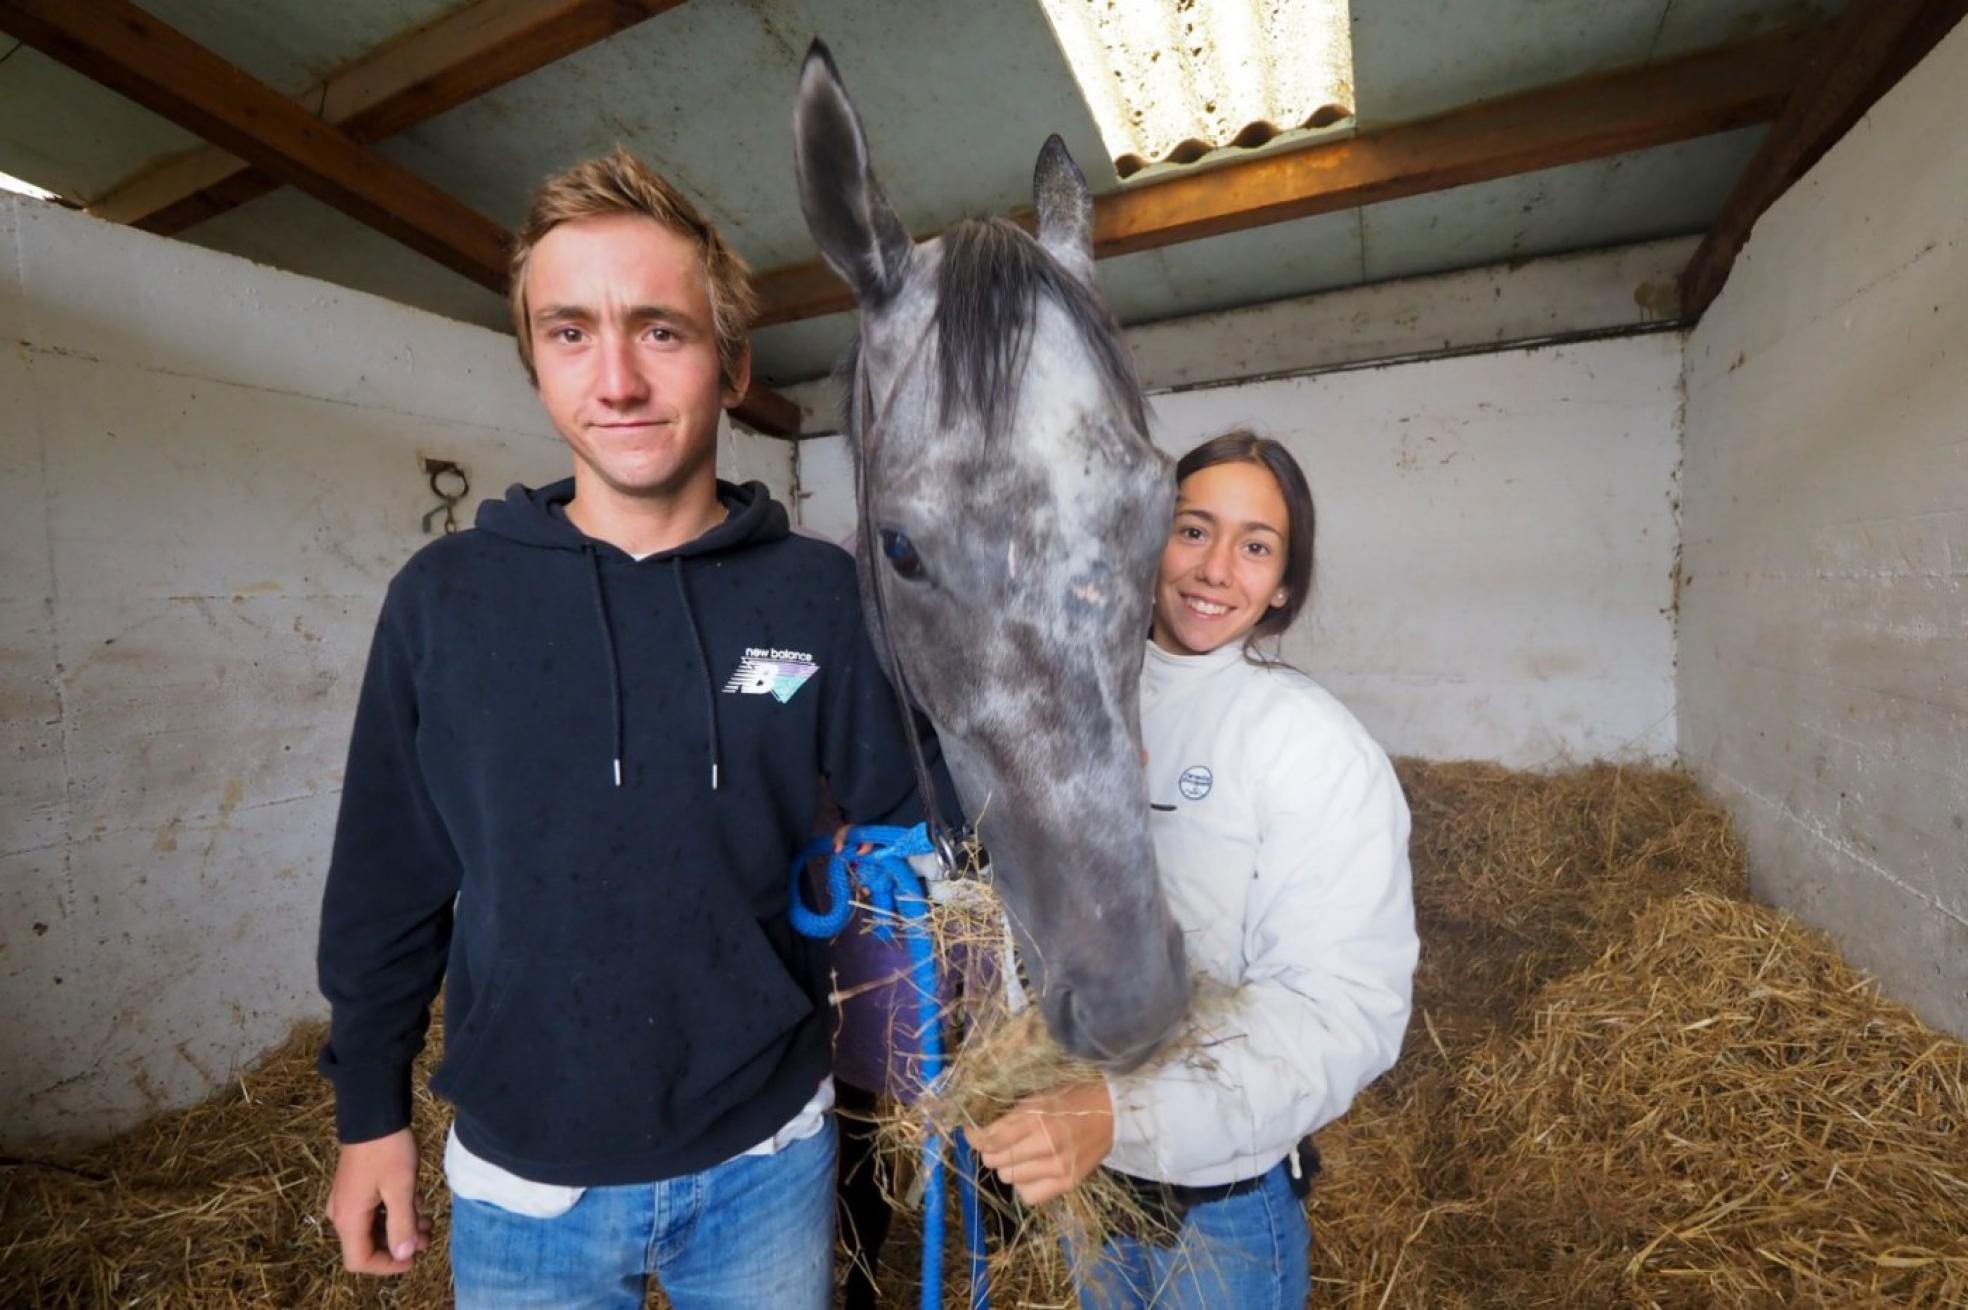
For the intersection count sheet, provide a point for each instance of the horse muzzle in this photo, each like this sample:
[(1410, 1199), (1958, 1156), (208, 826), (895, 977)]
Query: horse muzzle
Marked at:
[(1119, 1016)]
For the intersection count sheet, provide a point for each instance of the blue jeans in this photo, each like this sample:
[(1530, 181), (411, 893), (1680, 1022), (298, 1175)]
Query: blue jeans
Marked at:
[(754, 1231), (1248, 1252)]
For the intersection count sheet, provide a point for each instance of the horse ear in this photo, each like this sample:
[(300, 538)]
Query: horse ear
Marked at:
[(1059, 191), (857, 230)]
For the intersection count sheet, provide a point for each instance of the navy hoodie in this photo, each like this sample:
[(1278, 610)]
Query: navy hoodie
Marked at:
[(574, 787)]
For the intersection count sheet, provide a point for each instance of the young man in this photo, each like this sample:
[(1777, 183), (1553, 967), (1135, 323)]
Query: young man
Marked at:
[(587, 746)]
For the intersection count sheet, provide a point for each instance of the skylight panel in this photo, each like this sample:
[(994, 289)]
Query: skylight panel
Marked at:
[(18, 187), (1171, 80)]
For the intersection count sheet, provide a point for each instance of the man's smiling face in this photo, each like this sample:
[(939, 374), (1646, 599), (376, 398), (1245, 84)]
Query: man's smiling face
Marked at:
[(620, 317)]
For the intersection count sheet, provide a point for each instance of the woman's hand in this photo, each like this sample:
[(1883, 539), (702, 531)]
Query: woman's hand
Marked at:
[(1048, 1144)]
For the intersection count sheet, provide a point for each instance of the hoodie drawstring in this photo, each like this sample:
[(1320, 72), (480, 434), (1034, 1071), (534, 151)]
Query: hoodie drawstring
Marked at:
[(608, 649), (615, 669), (703, 663)]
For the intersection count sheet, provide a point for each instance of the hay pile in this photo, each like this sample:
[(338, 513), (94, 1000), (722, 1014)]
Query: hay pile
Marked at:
[(1720, 1112), (1628, 1086), (1624, 1086), (1521, 877), (211, 1208)]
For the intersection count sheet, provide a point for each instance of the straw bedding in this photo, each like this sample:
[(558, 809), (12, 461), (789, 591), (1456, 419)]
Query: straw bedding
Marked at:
[(1625, 1085)]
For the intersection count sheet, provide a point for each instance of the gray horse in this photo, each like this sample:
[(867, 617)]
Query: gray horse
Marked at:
[(1016, 510)]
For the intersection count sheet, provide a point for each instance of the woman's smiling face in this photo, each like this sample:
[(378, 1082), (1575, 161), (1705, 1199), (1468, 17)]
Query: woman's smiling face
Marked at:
[(1225, 560)]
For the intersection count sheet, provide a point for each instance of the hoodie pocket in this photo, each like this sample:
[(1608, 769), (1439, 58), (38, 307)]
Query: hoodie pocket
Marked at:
[(594, 1058)]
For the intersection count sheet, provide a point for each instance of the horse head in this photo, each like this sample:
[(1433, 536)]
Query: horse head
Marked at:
[(1013, 509)]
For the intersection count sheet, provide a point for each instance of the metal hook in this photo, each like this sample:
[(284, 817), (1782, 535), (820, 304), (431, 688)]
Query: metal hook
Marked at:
[(448, 505)]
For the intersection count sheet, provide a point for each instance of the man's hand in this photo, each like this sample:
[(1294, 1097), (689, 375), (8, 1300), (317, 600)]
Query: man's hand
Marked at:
[(379, 1173), (1048, 1144)]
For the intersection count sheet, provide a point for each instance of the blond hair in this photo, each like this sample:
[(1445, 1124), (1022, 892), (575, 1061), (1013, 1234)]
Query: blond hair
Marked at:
[(619, 183)]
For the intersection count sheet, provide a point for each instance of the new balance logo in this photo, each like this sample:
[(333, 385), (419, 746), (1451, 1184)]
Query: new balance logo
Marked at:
[(780, 672)]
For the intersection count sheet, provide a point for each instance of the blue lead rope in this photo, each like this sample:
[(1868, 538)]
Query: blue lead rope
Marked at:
[(897, 893)]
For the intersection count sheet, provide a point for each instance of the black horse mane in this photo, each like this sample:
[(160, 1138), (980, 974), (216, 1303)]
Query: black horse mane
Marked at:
[(988, 288)]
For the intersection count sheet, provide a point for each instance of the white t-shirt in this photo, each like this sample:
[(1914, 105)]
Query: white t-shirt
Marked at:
[(478, 1179), (1285, 860)]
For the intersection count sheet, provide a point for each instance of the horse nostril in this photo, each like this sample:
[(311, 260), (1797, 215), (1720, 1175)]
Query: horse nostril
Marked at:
[(1121, 1049), (1064, 1020), (1078, 1036)]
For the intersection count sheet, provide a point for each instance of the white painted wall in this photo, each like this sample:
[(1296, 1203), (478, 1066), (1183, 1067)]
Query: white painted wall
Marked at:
[(1824, 596), (211, 471), (1496, 539)]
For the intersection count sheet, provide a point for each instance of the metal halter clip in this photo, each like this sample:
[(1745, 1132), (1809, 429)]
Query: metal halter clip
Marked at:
[(948, 843)]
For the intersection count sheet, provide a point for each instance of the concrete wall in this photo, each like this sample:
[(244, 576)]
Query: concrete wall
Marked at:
[(1497, 531), (211, 470), (1824, 589)]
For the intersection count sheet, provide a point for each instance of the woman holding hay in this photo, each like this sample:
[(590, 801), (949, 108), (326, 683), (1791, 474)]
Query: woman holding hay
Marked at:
[(1281, 835)]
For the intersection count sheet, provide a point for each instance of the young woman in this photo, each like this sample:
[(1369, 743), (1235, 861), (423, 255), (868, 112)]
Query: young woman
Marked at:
[(1282, 839)]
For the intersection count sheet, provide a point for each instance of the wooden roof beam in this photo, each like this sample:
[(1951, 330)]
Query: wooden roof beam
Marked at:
[(1590, 118), (404, 82), (1861, 54), (124, 48)]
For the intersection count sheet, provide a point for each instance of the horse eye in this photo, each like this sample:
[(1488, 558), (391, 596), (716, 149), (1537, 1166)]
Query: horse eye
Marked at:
[(901, 554)]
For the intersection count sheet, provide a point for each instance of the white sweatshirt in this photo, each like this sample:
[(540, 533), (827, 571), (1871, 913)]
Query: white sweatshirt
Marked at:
[(1285, 859)]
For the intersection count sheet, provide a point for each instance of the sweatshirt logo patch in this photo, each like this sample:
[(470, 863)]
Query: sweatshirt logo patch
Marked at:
[(1196, 782), (779, 672)]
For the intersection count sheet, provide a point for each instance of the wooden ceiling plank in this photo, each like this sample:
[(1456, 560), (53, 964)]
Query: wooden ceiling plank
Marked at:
[(1590, 118), (402, 83), (765, 410), (1860, 55)]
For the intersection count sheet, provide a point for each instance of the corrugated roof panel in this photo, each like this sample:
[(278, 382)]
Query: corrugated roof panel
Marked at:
[(1171, 80)]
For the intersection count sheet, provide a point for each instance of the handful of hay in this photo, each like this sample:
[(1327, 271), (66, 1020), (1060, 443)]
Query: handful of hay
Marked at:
[(1001, 1057)]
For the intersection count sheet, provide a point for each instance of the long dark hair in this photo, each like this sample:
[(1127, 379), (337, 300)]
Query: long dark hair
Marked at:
[(1242, 446)]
